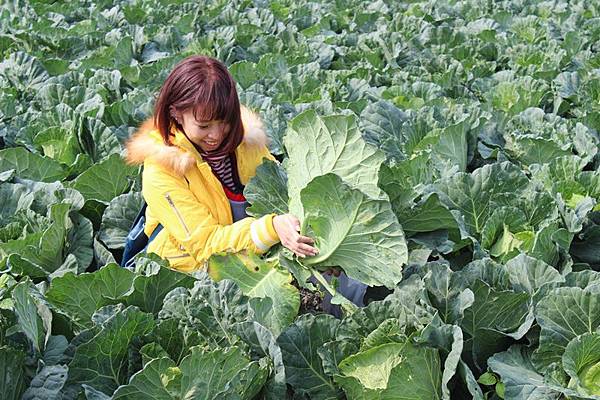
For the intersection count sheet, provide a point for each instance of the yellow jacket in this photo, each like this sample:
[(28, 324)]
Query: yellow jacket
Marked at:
[(188, 200)]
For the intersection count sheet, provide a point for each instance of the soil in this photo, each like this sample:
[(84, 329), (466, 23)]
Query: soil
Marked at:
[(310, 302)]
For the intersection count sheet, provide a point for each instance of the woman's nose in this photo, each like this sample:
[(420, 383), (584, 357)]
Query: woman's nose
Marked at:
[(214, 134)]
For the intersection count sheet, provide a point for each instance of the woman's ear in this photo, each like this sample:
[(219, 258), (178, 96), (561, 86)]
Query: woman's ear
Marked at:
[(176, 115)]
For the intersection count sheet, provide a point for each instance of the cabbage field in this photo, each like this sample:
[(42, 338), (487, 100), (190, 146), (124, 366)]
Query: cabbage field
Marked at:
[(443, 152)]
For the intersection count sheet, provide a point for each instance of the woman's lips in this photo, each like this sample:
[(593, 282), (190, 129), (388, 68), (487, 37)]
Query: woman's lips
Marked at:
[(211, 144)]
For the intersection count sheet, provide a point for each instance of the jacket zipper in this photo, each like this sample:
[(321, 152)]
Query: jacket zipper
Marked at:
[(172, 204)]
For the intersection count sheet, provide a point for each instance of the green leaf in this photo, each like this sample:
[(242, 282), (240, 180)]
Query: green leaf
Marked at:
[(371, 368), (58, 144), (586, 247), (42, 253), (545, 246), (23, 71), (446, 292), (106, 180), (55, 350), (354, 231), (13, 197), (536, 150), (567, 84), (498, 233), (79, 296), (332, 353), (174, 340), (81, 163), (474, 197), (102, 255), (448, 339), (529, 275), (487, 379), (563, 314), (7, 175), (386, 371), (258, 278), (581, 361), (585, 279), (301, 273), (93, 210), (390, 331), (384, 126), (451, 149), (500, 389), (48, 383), (80, 242), (408, 304), (56, 66), (303, 366), (520, 377), (98, 140), (153, 280), (465, 373), (152, 351), (403, 181), (263, 343), (124, 52), (427, 216), (12, 373), (100, 362), (267, 190), (48, 194), (495, 317), (210, 309), (118, 218), (33, 316), (333, 144), (160, 379), (221, 374), (31, 166), (244, 73)]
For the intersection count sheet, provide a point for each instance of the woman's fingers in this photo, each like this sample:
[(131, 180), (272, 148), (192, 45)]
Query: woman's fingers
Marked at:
[(305, 239), (290, 238), (302, 249), (306, 250)]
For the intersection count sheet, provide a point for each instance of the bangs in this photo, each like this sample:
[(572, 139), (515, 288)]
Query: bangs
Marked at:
[(214, 103)]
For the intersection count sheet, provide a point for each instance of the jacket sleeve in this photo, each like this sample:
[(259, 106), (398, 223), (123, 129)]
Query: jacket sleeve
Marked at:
[(192, 225)]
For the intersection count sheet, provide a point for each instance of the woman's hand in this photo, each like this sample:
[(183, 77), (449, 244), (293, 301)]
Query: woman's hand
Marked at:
[(288, 227)]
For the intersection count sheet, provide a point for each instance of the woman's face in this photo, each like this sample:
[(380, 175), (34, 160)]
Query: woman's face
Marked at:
[(208, 135)]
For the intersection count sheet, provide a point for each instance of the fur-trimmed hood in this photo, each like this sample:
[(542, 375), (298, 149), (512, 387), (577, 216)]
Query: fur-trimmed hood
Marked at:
[(146, 142)]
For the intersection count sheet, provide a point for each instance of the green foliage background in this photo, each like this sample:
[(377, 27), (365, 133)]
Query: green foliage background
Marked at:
[(480, 120)]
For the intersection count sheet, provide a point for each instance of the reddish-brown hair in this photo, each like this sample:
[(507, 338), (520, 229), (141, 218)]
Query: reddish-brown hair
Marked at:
[(204, 85)]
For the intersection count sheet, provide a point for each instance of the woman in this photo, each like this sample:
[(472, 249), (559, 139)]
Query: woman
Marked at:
[(199, 150)]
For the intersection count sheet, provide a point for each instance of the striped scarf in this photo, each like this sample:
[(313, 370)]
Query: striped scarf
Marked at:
[(225, 169)]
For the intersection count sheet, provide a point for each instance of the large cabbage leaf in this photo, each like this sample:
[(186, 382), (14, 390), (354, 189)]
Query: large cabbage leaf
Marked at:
[(333, 144), (353, 231)]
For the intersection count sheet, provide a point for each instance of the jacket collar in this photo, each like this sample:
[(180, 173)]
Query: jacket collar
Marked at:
[(179, 158)]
